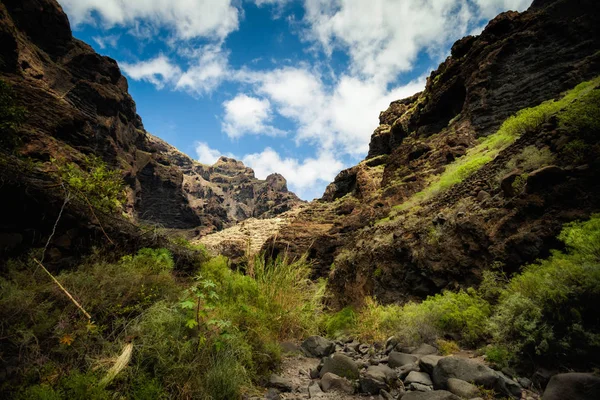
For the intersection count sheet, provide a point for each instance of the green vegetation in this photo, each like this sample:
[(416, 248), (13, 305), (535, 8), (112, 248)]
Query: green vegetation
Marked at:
[(11, 117), (547, 312), (93, 182), (340, 322), (578, 108), (212, 336)]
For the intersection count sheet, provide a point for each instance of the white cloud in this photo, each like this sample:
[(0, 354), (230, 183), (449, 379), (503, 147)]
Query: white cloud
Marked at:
[(305, 177), (107, 41), (341, 117), (245, 114), (384, 37), (207, 155), (187, 18), (208, 69), (158, 71)]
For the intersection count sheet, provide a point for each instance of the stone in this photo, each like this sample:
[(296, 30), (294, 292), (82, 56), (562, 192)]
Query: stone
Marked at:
[(419, 387), (341, 365), (331, 382), (371, 385), (466, 370), (433, 395), (425, 350), (317, 346), (314, 390), (404, 370), (390, 344), (483, 196), (506, 184), (385, 395), (543, 178), (290, 348), (418, 377), (282, 384), (397, 359), (508, 386), (541, 377), (462, 388), (428, 363), (573, 386), (314, 373), (524, 382)]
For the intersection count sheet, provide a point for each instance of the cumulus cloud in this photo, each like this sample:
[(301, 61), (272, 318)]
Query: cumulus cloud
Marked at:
[(158, 71), (186, 18), (209, 66), (385, 37), (207, 155), (248, 115), (305, 177)]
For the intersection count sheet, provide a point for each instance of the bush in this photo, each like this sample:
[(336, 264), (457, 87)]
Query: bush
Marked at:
[(93, 182), (529, 159), (340, 323), (548, 312), (583, 116)]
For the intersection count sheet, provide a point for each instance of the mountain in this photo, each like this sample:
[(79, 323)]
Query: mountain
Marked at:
[(77, 105), (449, 189)]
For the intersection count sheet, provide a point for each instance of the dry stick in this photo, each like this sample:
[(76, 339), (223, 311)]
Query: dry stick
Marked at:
[(95, 216), (63, 289), (67, 198)]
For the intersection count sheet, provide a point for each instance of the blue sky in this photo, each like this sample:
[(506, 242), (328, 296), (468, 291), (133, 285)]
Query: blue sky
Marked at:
[(286, 86)]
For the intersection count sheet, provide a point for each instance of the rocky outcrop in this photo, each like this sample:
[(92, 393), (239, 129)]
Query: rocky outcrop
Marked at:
[(77, 103), (373, 236)]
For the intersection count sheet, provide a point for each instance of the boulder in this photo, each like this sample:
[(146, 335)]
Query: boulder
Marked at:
[(419, 387), (371, 385), (466, 370), (404, 370), (377, 378), (543, 178), (433, 395), (331, 382), (272, 394), (341, 365), (397, 359), (317, 346), (573, 386), (462, 388), (418, 377), (425, 350), (314, 390), (279, 383), (428, 363)]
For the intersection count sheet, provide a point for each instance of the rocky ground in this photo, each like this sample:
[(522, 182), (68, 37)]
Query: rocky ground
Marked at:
[(325, 369)]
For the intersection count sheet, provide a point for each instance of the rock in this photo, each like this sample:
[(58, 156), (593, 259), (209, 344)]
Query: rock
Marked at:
[(340, 364), (524, 382), (397, 359), (317, 346), (462, 388), (543, 178), (331, 382), (385, 395), (466, 370), (314, 373), (506, 184), (428, 363), (483, 196), (282, 384), (404, 370), (508, 386), (390, 344), (433, 395), (378, 377), (363, 349), (573, 386), (425, 350), (314, 390), (419, 387), (418, 377), (273, 394), (541, 377)]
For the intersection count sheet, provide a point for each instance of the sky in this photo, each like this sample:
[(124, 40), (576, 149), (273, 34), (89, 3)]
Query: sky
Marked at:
[(287, 86)]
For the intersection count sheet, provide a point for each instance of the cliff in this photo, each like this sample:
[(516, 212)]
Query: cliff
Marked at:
[(447, 189), (77, 104)]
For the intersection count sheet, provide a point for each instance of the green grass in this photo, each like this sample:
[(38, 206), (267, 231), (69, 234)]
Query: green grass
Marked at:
[(577, 107)]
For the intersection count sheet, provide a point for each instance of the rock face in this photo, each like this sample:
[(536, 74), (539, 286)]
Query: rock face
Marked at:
[(77, 103), (372, 223)]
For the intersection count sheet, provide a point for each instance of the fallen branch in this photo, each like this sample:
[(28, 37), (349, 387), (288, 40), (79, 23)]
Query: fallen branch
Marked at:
[(89, 317)]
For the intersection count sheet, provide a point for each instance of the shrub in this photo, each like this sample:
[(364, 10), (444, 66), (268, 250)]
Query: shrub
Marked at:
[(583, 116), (341, 322), (548, 311), (93, 182), (529, 159), (447, 347)]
